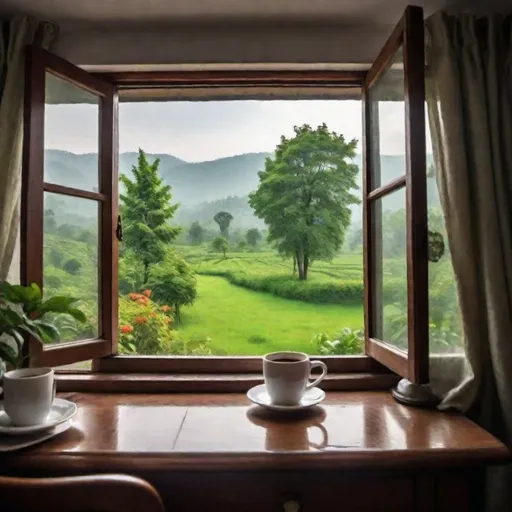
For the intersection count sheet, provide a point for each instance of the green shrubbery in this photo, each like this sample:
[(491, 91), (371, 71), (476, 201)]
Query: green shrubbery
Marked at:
[(348, 342), (146, 327), (318, 292), (289, 287)]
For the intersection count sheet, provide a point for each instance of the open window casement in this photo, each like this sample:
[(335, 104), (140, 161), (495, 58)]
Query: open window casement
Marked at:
[(54, 89), (396, 308)]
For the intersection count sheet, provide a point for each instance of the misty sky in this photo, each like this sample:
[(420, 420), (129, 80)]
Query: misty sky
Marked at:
[(199, 131)]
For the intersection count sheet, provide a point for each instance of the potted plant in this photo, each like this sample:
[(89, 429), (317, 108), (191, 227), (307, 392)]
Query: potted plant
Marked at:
[(24, 313)]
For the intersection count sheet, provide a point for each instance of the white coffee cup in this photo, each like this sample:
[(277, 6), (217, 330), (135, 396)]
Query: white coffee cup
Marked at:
[(28, 395), (287, 376)]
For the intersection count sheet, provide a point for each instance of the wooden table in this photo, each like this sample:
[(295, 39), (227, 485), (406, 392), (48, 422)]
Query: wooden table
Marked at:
[(217, 452)]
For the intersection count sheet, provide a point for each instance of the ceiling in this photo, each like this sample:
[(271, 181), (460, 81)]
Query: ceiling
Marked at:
[(68, 13)]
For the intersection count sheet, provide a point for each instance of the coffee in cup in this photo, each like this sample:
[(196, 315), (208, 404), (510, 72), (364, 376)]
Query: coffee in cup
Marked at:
[(287, 376), (28, 395)]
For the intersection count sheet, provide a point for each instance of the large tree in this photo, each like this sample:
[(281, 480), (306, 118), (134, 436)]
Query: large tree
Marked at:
[(305, 193), (223, 219), (147, 210)]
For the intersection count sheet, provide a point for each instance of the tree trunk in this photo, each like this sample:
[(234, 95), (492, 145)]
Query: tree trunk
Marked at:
[(306, 267), (294, 265), (177, 313), (300, 266)]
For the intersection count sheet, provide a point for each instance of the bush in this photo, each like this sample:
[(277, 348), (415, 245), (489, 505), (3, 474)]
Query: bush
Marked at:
[(348, 342), (146, 327), (72, 266), (289, 287)]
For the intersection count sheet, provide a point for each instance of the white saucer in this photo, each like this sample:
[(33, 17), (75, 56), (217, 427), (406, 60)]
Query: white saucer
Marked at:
[(12, 443), (259, 396), (61, 411)]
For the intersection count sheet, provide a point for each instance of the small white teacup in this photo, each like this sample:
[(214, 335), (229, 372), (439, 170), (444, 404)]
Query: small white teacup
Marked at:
[(287, 376), (28, 395)]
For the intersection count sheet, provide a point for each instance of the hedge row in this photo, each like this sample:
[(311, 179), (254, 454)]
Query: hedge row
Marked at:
[(325, 292)]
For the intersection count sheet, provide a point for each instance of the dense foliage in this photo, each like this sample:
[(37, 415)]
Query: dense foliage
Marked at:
[(24, 313), (173, 282), (305, 194), (146, 210)]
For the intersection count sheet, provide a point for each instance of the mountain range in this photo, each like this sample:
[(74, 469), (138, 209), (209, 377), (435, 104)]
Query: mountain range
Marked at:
[(201, 188)]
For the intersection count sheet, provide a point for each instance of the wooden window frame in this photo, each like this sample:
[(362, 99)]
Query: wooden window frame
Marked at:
[(380, 358), (38, 63), (413, 365), (245, 81)]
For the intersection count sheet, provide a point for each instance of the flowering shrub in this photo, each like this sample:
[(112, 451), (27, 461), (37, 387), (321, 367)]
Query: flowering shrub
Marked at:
[(146, 327), (143, 325)]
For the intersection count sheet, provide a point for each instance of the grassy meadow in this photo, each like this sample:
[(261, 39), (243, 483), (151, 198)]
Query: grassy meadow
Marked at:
[(241, 315), (244, 322)]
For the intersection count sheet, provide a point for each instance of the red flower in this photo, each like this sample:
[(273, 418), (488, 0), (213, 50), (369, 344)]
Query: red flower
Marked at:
[(139, 320), (141, 301), (126, 329), (147, 293), (165, 309)]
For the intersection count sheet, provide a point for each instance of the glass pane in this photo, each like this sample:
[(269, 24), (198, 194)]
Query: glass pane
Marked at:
[(387, 125), (390, 272), (240, 291), (71, 135), (445, 328), (80, 365), (70, 260)]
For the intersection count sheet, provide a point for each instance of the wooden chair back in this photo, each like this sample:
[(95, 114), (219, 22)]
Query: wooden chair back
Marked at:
[(95, 493)]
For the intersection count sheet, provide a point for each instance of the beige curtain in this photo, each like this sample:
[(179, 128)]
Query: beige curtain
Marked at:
[(469, 97), (17, 33)]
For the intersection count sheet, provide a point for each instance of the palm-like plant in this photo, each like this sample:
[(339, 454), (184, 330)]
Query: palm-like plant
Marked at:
[(23, 313)]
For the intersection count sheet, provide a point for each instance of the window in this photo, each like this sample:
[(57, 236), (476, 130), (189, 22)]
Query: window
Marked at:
[(70, 213), (224, 286), (63, 206), (396, 260)]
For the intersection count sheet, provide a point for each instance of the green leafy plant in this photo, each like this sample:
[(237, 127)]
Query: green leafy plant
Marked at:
[(349, 342), (23, 313)]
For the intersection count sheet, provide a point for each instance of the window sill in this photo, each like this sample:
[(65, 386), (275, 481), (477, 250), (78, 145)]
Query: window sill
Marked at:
[(203, 382)]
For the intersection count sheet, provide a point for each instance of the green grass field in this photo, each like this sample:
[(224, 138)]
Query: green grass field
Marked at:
[(266, 263), (244, 322)]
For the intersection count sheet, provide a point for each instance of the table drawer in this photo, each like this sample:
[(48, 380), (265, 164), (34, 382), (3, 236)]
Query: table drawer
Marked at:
[(286, 492)]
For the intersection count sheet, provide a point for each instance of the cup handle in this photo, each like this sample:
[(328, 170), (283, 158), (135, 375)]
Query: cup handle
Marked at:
[(323, 444), (314, 364), (54, 390)]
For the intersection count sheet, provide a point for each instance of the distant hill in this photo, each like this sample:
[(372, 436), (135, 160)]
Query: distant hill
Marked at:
[(202, 188)]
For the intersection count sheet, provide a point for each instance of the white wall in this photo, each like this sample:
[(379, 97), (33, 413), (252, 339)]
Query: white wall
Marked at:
[(221, 44)]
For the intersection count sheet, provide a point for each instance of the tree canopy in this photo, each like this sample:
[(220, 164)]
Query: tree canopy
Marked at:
[(173, 282), (305, 193), (223, 219), (146, 210)]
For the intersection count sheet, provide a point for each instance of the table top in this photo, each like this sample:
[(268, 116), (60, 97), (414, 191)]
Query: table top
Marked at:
[(356, 430)]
